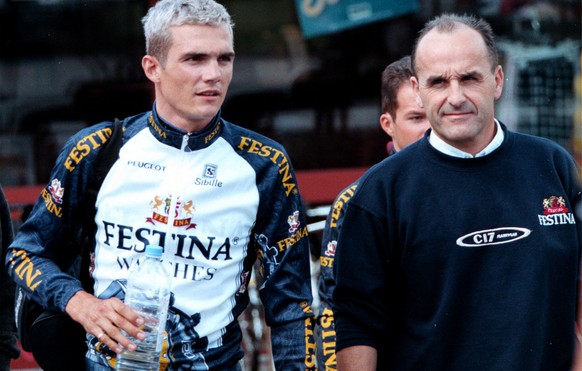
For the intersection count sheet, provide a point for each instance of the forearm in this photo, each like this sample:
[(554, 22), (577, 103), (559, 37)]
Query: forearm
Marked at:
[(42, 279), (293, 345), (325, 337), (357, 358)]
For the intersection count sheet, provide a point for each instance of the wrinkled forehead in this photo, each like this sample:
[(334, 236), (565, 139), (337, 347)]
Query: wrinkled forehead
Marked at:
[(456, 51)]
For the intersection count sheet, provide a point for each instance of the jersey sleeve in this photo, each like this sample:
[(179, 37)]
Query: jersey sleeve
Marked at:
[(40, 254), (282, 245), (325, 327)]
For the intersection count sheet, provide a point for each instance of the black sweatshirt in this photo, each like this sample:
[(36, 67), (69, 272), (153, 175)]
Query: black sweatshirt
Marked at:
[(446, 263)]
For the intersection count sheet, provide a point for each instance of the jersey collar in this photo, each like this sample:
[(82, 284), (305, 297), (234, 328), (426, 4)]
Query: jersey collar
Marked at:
[(172, 136)]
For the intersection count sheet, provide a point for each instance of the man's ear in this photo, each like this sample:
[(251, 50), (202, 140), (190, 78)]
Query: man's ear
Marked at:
[(387, 123), (499, 80), (150, 66), (415, 88)]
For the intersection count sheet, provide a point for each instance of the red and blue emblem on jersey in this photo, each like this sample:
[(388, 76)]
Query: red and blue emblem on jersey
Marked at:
[(331, 247), (556, 212), (162, 207), (56, 191), (293, 221)]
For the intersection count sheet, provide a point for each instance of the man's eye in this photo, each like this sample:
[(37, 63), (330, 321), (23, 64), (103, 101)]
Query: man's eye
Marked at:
[(195, 58)]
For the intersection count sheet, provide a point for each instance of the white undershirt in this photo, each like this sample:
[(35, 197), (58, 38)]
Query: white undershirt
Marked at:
[(447, 149)]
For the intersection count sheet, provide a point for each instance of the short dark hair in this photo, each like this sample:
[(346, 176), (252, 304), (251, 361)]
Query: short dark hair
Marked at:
[(394, 76), (447, 23)]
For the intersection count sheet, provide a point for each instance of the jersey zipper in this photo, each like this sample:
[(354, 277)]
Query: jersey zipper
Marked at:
[(175, 193)]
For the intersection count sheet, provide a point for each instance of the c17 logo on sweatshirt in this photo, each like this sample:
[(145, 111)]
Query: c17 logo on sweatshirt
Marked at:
[(496, 236), (555, 212)]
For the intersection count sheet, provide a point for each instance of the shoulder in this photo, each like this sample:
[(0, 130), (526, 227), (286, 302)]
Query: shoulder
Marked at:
[(407, 160), (257, 149), (134, 124), (342, 199), (385, 181), (538, 149), (248, 140), (266, 156), (97, 134), (346, 193), (524, 139), (539, 143), (84, 145)]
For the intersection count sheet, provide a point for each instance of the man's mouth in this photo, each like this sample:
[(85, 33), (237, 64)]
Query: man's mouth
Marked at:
[(209, 93)]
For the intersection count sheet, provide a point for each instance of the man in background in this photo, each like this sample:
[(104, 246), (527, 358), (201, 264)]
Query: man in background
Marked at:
[(405, 122)]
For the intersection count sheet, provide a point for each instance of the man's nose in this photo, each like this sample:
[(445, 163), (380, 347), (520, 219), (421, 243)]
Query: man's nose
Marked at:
[(456, 94), (212, 71)]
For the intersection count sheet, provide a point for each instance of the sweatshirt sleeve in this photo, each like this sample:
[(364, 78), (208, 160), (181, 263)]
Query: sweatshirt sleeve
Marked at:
[(359, 298)]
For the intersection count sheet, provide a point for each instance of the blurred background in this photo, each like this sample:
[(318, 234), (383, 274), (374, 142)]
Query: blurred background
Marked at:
[(307, 72)]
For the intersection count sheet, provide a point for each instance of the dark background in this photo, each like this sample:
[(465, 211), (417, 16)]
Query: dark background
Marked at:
[(67, 64)]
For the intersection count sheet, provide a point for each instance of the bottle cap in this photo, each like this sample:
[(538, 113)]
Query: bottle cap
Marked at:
[(154, 251)]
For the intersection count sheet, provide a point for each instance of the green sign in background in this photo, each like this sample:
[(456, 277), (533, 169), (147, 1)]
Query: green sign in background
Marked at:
[(320, 17)]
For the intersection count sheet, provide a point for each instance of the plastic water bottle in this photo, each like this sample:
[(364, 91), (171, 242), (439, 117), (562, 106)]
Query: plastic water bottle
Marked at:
[(148, 293)]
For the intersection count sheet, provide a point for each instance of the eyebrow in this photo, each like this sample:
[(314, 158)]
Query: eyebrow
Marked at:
[(206, 55), (229, 54), (471, 74), (434, 79)]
